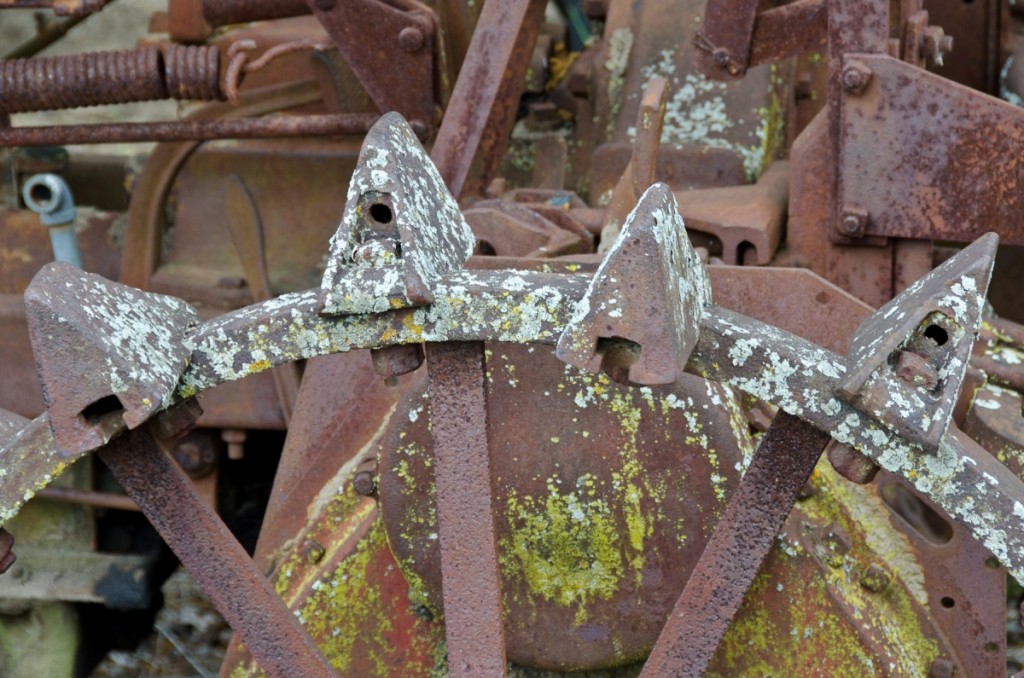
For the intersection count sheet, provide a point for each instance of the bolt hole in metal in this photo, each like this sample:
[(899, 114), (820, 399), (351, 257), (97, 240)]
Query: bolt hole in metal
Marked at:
[(102, 409), (947, 602), (937, 334), (918, 516), (617, 356), (381, 213)]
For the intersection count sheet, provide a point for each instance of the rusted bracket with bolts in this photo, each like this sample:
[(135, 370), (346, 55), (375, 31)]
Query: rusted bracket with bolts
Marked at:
[(923, 190), (395, 61), (736, 37), (530, 307)]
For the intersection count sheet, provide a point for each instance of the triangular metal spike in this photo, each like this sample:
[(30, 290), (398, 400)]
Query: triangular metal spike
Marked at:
[(907, 360), (640, 317), (108, 355), (401, 232)]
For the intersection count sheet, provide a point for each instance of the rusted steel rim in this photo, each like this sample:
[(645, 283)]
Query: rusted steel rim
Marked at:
[(744, 536), (465, 513), (798, 376), (190, 130), (213, 557)]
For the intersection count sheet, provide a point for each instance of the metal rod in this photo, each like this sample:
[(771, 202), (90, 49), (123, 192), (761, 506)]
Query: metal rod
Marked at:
[(476, 90), (225, 12), (189, 130), (69, 495), (470, 582), (205, 546), (741, 542)]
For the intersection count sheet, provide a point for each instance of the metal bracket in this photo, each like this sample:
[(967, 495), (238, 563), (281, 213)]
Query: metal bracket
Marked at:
[(907, 360), (403, 40), (401, 233), (640, 317), (108, 355)]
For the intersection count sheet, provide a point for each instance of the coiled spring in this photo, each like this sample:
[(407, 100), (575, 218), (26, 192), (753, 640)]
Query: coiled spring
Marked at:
[(98, 78)]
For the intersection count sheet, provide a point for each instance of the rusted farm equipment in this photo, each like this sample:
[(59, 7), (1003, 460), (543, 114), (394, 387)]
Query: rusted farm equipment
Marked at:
[(641, 262)]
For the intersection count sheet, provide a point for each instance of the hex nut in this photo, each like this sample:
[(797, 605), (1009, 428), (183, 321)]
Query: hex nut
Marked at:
[(856, 76)]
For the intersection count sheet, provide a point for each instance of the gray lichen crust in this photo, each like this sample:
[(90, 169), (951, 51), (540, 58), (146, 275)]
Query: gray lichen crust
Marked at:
[(95, 340), (650, 290), (401, 232)]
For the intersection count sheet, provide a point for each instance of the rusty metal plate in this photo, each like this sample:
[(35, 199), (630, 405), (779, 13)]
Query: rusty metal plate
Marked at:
[(925, 157), (604, 498)]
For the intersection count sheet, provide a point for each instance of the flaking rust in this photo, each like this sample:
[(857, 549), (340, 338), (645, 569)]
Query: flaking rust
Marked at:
[(401, 233), (108, 355)]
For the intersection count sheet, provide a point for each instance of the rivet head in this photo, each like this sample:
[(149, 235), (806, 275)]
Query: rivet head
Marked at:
[(875, 578), (411, 39)]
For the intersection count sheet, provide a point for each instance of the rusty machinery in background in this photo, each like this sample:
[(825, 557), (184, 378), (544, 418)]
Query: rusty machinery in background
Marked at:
[(641, 261)]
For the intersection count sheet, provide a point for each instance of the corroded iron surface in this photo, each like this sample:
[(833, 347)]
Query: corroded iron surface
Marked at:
[(108, 355), (604, 496), (649, 291), (742, 539), (546, 514), (212, 555), (465, 511)]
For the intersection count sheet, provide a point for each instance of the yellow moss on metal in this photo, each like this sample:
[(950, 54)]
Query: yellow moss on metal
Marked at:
[(769, 638), (565, 546)]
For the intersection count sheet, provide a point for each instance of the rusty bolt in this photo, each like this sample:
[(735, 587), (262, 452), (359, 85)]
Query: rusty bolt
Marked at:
[(935, 44), (915, 370), (856, 76), (875, 578), (195, 458), (7, 556), (851, 464), (364, 483), (942, 668), (722, 57), (411, 39), (853, 222), (235, 438), (313, 551)]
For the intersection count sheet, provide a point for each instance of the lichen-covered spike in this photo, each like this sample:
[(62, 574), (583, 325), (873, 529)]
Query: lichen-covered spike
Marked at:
[(640, 317), (401, 232), (907, 360), (108, 355)]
